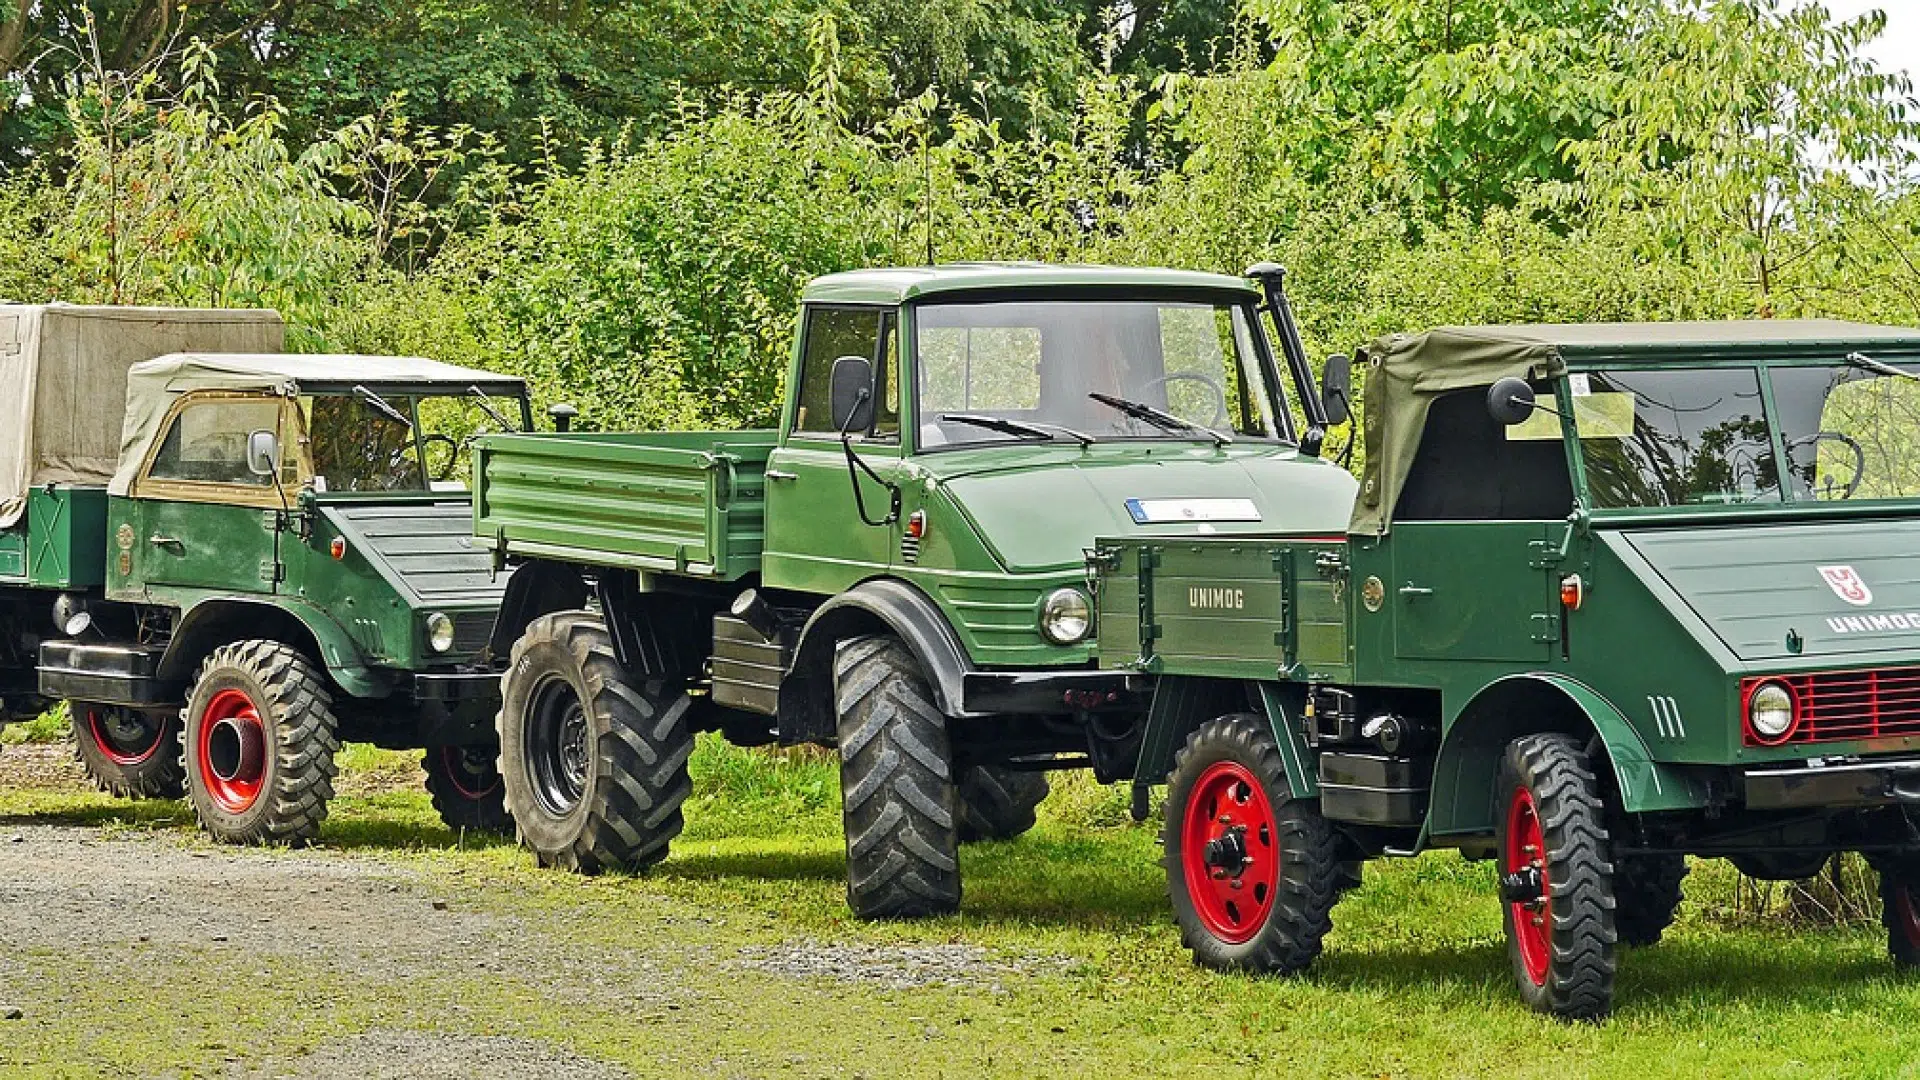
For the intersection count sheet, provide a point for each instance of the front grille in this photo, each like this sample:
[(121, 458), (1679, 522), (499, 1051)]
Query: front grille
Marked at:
[(471, 631), (1837, 706)]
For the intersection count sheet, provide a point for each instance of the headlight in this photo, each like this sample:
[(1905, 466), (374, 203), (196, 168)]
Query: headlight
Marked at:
[(1066, 617), (439, 632), (1771, 713)]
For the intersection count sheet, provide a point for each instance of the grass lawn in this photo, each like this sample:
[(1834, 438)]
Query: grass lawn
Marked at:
[(1084, 972)]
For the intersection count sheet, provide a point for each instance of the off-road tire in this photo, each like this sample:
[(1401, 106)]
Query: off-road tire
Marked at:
[(1647, 890), (1228, 754), (1575, 936), (465, 795), (896, 784), (1900, 914), (146, 769), (632, 776), (997, 803), (300, 735)]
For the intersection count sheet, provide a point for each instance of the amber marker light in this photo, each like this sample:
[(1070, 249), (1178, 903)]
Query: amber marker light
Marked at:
[(1573, 590), (338, 547), (917, 524)]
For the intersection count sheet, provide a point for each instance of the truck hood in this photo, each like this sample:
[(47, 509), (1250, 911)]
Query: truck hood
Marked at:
[(1044, 514), (425, 550), (1838, 589)]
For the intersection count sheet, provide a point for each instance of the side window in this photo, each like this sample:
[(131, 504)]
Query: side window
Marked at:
[(1467, 470), (832, 333), (207, 442), (886, 415)]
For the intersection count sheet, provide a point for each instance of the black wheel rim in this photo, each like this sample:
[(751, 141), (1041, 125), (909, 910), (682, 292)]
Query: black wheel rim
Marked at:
[(556, 747)]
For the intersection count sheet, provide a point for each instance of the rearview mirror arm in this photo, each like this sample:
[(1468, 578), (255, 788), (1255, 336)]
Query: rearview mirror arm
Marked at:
[(854, 463)]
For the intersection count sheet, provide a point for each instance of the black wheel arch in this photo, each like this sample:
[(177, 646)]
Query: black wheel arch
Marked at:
[(212, 623), (875, 606)]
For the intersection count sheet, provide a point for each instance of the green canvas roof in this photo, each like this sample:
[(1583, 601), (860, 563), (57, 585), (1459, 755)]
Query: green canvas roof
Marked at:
[(1405, 372), (899, 284), (152, 386)]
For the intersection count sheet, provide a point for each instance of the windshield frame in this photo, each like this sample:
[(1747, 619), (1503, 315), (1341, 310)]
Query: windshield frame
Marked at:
[(501, 392), (1245, 303), (1762, 362)]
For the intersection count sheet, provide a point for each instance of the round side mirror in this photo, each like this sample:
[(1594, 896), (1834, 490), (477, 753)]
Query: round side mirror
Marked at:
[(1510, 401)]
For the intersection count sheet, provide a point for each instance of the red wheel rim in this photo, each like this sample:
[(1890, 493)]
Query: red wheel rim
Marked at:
[(99, 727), (472, 783), (1229, 850), (230, 745), (1526, 851), (1905, 916)]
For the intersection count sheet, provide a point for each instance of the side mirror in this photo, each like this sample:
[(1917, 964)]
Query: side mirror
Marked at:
[(263, 453), (1510, 401), (1336, 389), (562, 415), (852, 394)]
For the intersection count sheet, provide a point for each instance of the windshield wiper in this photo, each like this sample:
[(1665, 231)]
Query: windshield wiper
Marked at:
[(380, 403), (1165, 421), (1867, 363), (1023, 428), (486, 406)]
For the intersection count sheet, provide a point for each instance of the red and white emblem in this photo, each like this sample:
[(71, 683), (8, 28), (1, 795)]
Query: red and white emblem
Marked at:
[(1847, 584)]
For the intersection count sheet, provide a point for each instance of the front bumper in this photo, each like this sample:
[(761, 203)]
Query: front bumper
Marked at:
[(456, 687), (1834, 783), (1040, 692)]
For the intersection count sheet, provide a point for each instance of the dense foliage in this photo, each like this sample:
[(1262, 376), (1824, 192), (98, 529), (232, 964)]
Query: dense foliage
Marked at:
[(621, 200)]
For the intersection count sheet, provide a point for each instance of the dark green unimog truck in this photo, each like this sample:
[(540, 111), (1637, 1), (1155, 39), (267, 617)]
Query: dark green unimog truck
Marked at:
[(1608, 596), (227, 560), (898, 569)]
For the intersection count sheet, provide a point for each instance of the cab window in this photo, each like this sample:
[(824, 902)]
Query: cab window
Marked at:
[(207, 442), (1470, 468), (832, 333)]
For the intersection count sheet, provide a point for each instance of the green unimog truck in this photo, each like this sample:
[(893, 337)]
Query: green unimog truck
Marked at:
[(227, 560), (1608, 596), (898, 569)]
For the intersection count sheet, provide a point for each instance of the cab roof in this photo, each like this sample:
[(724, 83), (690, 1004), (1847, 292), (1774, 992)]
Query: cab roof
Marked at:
[(895, 285), (1443, 345)]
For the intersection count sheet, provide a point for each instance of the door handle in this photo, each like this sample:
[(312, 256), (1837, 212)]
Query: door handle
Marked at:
[(167, 542), (776, 474), (1412, 590)]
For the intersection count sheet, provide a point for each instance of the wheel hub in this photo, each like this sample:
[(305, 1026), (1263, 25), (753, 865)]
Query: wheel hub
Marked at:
[(123, 736), (558, 748), (231, 744), (1228, 852), (1524, 886)]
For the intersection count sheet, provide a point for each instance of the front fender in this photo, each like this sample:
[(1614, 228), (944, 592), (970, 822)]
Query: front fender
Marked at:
[(222, 620), (1468, 763), (910, 615)]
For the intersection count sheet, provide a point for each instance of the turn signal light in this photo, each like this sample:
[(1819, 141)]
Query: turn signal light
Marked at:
[(917, 524), (338, 547), (1572, 591)]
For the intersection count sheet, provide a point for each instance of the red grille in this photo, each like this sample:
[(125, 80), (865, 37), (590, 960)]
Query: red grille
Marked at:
[(1836, 706)]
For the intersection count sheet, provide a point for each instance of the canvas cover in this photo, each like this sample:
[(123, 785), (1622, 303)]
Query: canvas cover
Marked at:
[(62, 373), (1405, 372), (152, 386)]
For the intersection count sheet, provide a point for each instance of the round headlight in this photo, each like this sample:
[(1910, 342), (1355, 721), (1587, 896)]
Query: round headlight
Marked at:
[(1771, 712), (439, 632), (1066, 617)]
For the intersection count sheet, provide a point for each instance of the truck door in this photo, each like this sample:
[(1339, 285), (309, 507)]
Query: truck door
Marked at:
[(200, 518), (1471, 591), (816, 536)]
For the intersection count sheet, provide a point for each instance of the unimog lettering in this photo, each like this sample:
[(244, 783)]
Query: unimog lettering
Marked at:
[(1203, 599), (1873, 624)]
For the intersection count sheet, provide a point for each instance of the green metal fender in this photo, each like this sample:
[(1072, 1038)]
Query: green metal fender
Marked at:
[(1465, 770), (221, 619), (1181, 704)]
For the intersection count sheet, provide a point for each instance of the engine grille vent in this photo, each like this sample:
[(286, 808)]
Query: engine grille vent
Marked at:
[(1839, 706)]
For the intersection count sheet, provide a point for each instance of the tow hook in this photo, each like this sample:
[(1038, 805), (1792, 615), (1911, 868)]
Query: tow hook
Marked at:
[(1522, 886), (1227, 853)]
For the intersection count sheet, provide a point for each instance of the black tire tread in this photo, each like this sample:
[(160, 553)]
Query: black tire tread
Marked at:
[(1582, 962), (162, 776), (457, 811), (1313, 873), (304, 739), (896, 783), (998, 803), (1647, 890), (1904, 953)]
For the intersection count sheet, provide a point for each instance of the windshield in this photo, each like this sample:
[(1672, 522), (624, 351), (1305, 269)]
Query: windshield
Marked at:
[(364, 441), (1852, 430), (1042, 369)]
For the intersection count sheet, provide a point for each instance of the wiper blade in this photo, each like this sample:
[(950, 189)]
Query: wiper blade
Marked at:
[(1161, 419), (380, 403), (486, 406), (1023, 428), (1867, 363)]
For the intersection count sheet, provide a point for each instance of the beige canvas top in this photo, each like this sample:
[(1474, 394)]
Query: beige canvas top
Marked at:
[(63, 371), (153, 385)]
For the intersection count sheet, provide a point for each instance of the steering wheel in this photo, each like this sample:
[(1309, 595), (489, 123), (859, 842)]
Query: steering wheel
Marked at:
[(1859, 457), (1211, 383), (453, 453)]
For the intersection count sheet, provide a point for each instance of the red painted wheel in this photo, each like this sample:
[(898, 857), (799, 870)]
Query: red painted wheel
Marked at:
[(1525, 857), (233, 750), (127, 752), (1900, 913), (125, 737), (467, 788), (1229, 852)]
